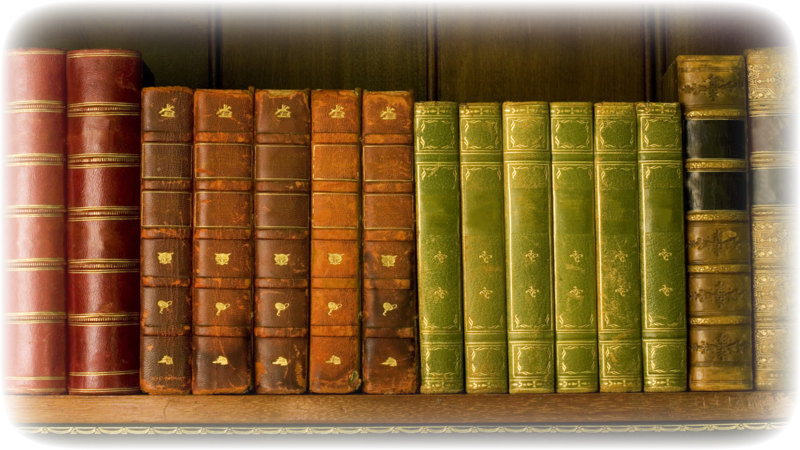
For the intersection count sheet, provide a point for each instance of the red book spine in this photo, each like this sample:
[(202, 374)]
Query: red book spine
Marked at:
[(103, 163), (282, 202), (166, 240), (36, 309)]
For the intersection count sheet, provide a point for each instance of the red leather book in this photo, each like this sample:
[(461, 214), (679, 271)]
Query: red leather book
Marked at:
[(166, 240), (335, 348), (282, 237), (36, 139), (389, 304), (222, 296), (103, 163)]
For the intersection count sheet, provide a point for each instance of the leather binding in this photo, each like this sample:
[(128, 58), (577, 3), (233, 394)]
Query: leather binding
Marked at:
[(574, 255), (103, 164), (662, 254), (529, 251), (282, 240), (166, 240), (771, 74), (619, 305), (389, 309), (222, 295), (438, 204), (335, 344), (483, 248), (36, 138), (711, 90)]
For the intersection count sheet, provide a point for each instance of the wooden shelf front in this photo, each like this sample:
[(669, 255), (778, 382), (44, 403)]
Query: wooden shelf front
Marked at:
[(402, 409)]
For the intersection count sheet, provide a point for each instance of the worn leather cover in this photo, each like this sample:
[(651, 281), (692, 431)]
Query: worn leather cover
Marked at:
[(35, 142), (574, 267), (662, 255), (772, 115), (335, 344), (166, 240), (222, 295), (103, 163), (438, 195), (282, 208), (389, 307), (619, 305), (529, 250), (711, 90), (483, 248)]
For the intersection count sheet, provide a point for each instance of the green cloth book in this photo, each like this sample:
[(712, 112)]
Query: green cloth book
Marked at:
[(529, 251), (483, 247)]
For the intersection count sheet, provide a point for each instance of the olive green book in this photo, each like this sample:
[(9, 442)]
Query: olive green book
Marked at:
[(529, 250), (619, 304), (483, 248), (438, 206), (663, 265), (575, 280)]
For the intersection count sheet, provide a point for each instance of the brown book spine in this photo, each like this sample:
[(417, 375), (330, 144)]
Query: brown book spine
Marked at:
[(103, 163), (335, 345), (282, 208), (389, 305), (166, 244)]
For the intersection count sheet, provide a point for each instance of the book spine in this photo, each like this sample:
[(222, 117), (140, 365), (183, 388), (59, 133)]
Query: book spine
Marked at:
[(441, 319), (662, 254), (36, 139), (103, 165), (282, 240), (166, 241), (529, 248), (483, 248), (619, 305), (771, 120), (389, 310), (335, 344), (222, 296), (574, 268), (711, 90)]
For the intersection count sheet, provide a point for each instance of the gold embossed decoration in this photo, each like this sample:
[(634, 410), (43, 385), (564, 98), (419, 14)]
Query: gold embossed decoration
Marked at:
[(532, 291), (162, 305), (485, 257), (531, 256), (333, 307), (576, 256), (388, 114), (665, 254), (440, 256), (388, 260), (221, 360), (166, 359), (388, 307), (335, 258), (335, 360), (222, 258), (281, 361), (391, 362), (486, 293), (665, 290), (280, 307), (440, 293), (165, 258), (167, 111), (221, 307), (225, 112), (282, 259), (337, 112), (283, 112)]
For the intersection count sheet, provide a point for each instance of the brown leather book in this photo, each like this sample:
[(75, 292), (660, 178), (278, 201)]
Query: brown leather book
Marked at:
[(222, 296), (335, 347), (36, 140), (389, 306), (282, 207), (103, 162), (166, 240)]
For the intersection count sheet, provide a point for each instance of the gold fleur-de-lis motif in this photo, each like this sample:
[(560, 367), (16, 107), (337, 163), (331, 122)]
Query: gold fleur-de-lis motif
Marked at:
[(388, 114), (222, 258), (221, 307), (167, 111), (532, 291), (665, 290), (575, 292), (485, 257), (440, 256), (283, 112), (391, 362), (166, 359), (531, 256), (335, 258), (440, 293), (221, 360), (337, 112), (576, 256), (621, 256), (165, 257), (388, 260), (282, 259), (162, 305), (280, 307), (335, 360), (388, 307), (225, 112), (486, 293), (333, 307), (622, 290), (665, 254), (281, 361)]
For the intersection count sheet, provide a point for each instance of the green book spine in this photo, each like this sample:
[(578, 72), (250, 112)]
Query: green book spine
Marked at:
[(663, 265), (483, 247), (619, 304), (439, 248), (529, 249)]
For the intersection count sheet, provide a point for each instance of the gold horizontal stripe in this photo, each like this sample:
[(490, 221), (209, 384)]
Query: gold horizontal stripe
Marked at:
[(334, 179), (315, 227), (36, 378), (718, 268), (36, 262), (76, 209), (104, 315), (771, 211), (25, 156), (711, 114), (283, 145), (716, 165), (200, 227), (282, 179), (132, 390), (55, 390), (238, 144), (278, 227), (34, 110), (33, 215), (102, 260), (725, 216), (34, 321), (37, 102), (302, 194), (388, 228), (37, 52), (103, 166), (21, 208), (104, 374), (94, 55), (734, 320), (103, 324), (37, 313), (35, 164), (103, 114), (33, 269), (114, 104), (109, 155), (197, 177), (102, 219)]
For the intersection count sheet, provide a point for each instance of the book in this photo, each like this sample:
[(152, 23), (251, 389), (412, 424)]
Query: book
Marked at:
[(529, 247), (772, 115), (483, 248), (389, 308), (282, 239), (711, 90), (222, 295), (335, 341), (662, 254), (574, 248), (619, 305), (166, 240), (438, 212), (103, 165), (36, 303)]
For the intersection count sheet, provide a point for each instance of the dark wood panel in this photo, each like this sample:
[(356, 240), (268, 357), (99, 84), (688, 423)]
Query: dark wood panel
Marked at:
[(524, 53), (173, 39), (325, 47)]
